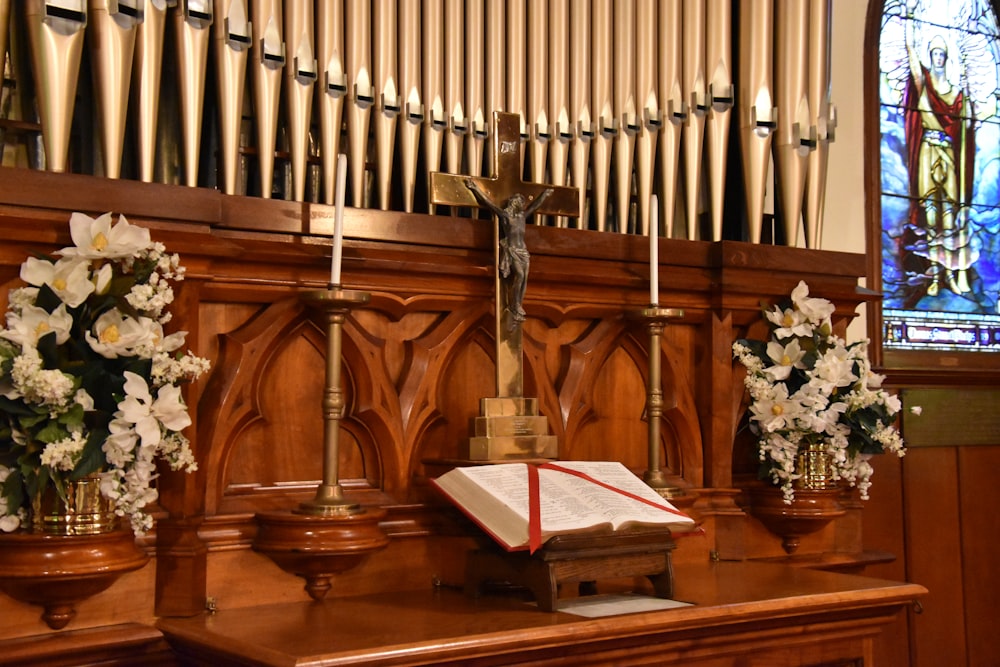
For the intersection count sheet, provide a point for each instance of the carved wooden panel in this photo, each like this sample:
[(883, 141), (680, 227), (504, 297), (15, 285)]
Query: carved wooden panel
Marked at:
[(419, 357)]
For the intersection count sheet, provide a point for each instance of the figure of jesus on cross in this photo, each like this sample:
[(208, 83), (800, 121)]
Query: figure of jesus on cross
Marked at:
[(512, 201), (515, 260)]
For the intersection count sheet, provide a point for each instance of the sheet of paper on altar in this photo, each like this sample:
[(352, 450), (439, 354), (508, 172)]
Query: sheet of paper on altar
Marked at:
[(595, 606)]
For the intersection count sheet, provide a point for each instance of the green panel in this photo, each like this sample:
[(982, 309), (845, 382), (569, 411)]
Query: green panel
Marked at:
[(951, 417)]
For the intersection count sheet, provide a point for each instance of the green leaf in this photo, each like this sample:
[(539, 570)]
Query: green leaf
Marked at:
[(47, 299), (72, 417), (14, 407), (51, 432), (48, 350), (13, 491), (92, 459)]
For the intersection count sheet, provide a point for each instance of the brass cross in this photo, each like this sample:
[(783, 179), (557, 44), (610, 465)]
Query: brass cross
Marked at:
[(500, 188)]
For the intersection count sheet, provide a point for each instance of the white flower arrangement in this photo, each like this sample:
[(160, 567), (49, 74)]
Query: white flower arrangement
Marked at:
[(807, 386), (88, 378)]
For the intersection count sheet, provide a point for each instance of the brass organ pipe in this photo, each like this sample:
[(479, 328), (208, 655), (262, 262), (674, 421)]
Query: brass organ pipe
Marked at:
[(536, 116), (579, 102), (147, 66), (4, 28), (56, 51), (192, 23), (332, 89), (606, 124), (649, 115), (357, 36), (823, 118), (625, 107), (388, 103), (474, 85), (435, 120), (268, 58), (675, 108), (795, 135), (561, 126), (496, 65), (232, 40), (757, 113), (517, 64), (112, 45), (300, 78), (693, 86), (409, 85), (454, 84), (718, 58)]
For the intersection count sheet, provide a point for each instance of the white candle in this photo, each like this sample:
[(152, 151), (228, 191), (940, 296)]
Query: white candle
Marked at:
[(654, 252), (338, 220)]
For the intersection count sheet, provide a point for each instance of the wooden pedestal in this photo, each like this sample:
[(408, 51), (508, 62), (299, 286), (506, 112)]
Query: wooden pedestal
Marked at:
[(582, 559)]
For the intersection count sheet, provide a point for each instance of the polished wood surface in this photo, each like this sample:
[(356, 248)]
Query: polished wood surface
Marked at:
[(743, 613), (56, 572)]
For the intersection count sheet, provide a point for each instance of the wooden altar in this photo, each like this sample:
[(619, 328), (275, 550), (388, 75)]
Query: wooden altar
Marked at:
[(767, 614), (416, 362)]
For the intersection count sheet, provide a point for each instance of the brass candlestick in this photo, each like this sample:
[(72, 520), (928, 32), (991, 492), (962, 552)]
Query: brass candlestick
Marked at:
[(655, 319), (327, 535), (335, 303)]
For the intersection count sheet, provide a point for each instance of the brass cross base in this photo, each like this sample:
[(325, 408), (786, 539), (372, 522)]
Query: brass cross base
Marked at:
[(511, 428)]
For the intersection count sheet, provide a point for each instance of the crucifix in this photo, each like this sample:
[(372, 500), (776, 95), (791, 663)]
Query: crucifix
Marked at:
[(510, 418)]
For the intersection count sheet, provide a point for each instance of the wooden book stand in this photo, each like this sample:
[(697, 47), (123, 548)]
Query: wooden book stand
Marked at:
[(579, 558)]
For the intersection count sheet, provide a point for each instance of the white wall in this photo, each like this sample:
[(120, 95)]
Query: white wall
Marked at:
[(844, 215)]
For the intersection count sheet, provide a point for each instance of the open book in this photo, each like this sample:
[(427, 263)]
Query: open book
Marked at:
[(572, 497)]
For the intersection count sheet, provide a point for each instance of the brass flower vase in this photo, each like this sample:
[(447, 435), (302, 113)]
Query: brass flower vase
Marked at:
[(83, 511), (815, 468)]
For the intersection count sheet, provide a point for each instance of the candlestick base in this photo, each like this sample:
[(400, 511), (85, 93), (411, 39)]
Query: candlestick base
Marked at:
[(657, 481), (329, 501)]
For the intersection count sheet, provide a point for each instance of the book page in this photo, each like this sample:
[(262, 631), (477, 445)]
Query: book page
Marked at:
[(613, 507), (560, 511)]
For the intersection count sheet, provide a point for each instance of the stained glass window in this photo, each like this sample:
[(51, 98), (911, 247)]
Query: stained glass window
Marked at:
[(939, 64)]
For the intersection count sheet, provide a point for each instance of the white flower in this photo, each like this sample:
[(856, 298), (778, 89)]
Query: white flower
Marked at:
[(788, 322), (147, 414), (118, 447), (117, 335), (785, 358), (151, 298), (102, 279), (917, 410), (64, 454), (51, 388), (775, 412), (33, 322), (816, 311), (68, 278), (834, 368), (21, 297), (84, 400), (168, 370), (98, 239)]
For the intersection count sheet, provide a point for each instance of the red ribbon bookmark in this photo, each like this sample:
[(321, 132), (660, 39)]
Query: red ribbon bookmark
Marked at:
[(534, 505)]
